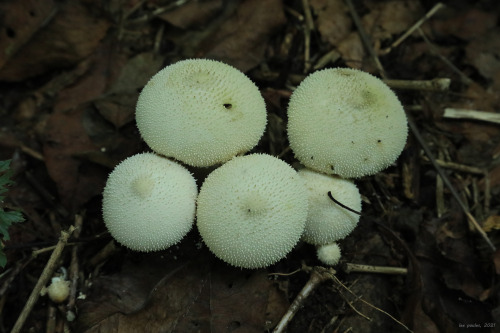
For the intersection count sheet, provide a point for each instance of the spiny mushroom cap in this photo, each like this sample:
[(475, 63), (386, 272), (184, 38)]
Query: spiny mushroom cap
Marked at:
[(329, 254), (346, 122), (201, 112), (149, 202), (252, 210), (327, 221)]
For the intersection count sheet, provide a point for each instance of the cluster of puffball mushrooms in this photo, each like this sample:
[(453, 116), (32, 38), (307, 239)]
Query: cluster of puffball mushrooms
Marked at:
[(252, 209)]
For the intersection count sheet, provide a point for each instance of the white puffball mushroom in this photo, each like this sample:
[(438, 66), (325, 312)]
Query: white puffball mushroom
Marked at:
[(329, 254), (201, 112), (252, 210), (149, 202), (347, 122), (58, 290), (327, 221)]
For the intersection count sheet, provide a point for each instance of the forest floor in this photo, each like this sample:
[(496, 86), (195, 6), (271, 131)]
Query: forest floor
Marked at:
[(70, 75)]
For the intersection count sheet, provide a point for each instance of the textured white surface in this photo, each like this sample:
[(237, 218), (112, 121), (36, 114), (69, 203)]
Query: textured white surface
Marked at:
[(327, 221), (329, 254), (58, 290), (201, 112), (346, 122), (252, 210), (149, 202)]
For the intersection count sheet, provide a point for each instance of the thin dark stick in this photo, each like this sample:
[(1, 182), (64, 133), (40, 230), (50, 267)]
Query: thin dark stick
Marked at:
[(446, 181), (341, 204)]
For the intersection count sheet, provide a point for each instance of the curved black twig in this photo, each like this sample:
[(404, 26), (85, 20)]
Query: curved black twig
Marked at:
[(341, 204)]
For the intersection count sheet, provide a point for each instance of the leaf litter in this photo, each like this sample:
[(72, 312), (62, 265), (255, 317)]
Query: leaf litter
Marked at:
[(70, 74)]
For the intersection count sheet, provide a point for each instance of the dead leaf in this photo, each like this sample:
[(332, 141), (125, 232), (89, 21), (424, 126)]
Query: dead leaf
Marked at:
[(136, 73), (492, 223), (469, 24), (77, 180), (333, 20), (199, 296), (242, 39), (118, 109), (192, 14), (20, 20), (389, 18), (68, 38), (352, 50), (90, 85), (484, 53)]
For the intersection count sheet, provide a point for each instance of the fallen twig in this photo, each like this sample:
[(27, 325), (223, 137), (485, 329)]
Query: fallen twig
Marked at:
[(437, 84), (74, 267), (308, 27), (414, 27), (472, 114), (447, 182), (365, 38), (358, 268), (318, 275), (42, 281)]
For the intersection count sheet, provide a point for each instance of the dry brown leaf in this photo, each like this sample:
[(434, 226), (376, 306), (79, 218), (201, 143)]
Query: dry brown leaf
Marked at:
[(333, 20), (469, 24), (389, 18), (136, 73), (492, 223), (68, 38), (352, 50), (19, 21), (195, 297), (484, 53), (77, 180), (118, 109), (94, 81), (193, 14), (241, 40)]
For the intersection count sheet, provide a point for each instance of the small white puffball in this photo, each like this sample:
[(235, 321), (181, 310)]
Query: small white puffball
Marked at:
[(58, 290), (252, 210), (346, 122), (329, 254), (327, 221), (149, 202), (201, 112)]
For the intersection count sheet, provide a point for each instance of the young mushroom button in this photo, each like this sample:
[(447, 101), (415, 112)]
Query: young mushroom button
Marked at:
[(346, 122), (201, 112), (329, 254), (149, 202), (252, 210)]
